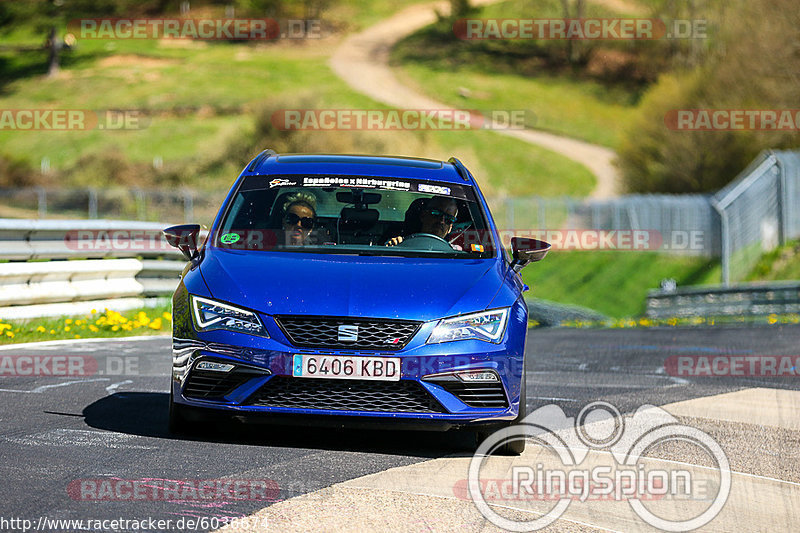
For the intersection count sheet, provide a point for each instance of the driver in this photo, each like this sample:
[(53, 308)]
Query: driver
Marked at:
[(436, 218), (300, 213)]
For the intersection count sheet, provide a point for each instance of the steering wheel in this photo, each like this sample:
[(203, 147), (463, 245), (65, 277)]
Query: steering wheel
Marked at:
[(426, 241)]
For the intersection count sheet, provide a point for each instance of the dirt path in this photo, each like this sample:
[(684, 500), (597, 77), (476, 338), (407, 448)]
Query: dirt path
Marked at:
[(362, 61)]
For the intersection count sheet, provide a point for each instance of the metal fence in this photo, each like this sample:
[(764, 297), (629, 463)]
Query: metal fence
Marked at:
[(758, 211), (684, 224), (113, 204)]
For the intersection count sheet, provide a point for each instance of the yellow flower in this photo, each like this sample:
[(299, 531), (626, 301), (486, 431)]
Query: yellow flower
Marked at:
[(94, 311), (68, 321), (772, 319), (115, 328), (10, 334), (52, 332), (77, 336), (94, 328), (67, 328), (166, 316), (4, 326), (155, 324), (40, 329)]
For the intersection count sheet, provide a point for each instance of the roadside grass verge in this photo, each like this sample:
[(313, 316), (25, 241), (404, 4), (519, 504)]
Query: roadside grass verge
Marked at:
[(485, 75), (196, 117), (613, 283), (783, 263), (100, 324), (621, 323)]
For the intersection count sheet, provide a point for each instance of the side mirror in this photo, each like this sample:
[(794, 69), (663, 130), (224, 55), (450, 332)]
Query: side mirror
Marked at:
[(526, 251), (184, 238)]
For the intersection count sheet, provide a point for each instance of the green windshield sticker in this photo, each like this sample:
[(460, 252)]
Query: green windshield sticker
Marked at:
[(229, 238)]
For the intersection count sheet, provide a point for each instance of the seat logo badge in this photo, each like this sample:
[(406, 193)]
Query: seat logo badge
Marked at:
[(348, 333)]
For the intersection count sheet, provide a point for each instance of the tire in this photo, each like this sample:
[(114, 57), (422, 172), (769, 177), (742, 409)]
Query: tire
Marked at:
[(512, 447), (178, 425)]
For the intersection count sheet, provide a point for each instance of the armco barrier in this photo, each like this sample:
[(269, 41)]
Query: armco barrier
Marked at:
[(742, 299), (48, 272), (60, 239)]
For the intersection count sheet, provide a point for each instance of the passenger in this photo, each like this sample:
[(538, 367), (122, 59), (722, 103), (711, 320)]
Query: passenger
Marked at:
[(299, 218), (436, 218)]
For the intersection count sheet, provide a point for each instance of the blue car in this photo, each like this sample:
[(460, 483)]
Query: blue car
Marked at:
[(351, 291)]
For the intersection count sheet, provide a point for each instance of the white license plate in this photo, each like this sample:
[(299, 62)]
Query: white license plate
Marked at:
[(346, 367)]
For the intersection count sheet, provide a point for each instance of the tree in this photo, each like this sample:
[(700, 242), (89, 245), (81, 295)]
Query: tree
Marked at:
[(574, 10)]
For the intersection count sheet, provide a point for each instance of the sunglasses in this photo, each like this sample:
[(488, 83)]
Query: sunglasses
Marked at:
[(446, 216), (292, 219)]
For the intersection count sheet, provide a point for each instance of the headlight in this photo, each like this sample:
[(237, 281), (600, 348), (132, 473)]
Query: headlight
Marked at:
[(210, 315), (486, 326)]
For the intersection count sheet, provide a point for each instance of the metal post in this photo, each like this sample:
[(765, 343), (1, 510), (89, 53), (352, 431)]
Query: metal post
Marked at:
[(141, 208), (510, 214), (188, 206), (542, 214), (42, 197), (92, 203)]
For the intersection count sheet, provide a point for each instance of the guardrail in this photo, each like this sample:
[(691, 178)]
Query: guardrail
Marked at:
[(753, 299), (58, 267)]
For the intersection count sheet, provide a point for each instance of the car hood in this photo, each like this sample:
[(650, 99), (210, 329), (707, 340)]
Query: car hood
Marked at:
[(343, 285)]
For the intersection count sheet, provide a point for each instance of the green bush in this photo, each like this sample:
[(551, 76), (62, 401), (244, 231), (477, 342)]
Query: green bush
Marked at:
[(654, 158), (752, 64)]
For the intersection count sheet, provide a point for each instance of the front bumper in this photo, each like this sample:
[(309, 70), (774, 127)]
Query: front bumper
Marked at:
[(261, 387), (261, 365)]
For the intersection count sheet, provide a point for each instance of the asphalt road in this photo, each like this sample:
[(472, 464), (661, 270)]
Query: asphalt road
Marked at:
[(59, 431)]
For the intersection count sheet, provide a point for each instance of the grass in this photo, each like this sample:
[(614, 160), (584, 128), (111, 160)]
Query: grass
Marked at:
[(198, 115), (554, 103), (612, 282), (108, 323), (783, 263), (485, 75)]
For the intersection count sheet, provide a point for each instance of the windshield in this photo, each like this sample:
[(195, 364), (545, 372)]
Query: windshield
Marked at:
[(355, 215)]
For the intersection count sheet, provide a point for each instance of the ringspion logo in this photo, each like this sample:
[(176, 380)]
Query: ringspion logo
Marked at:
[(599, 455)]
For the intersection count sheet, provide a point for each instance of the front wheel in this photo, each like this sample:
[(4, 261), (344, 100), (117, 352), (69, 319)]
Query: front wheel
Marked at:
[(512, 446), (178, 425)]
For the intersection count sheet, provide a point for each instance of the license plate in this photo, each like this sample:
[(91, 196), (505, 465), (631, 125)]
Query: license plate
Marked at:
[(346, 367)]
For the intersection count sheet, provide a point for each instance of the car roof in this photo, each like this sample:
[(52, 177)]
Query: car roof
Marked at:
[(270, 163)]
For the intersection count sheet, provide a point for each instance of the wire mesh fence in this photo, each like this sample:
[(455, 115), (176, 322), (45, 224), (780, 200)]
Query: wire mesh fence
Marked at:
[(116, 204)]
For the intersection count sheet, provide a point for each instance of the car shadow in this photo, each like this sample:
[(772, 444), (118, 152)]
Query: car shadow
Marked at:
[(145, 414)]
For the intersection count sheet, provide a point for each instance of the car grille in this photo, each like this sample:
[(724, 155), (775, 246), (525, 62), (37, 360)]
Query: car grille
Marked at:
[(209, 385), (404, 396), (486, 395), (373, 334)]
